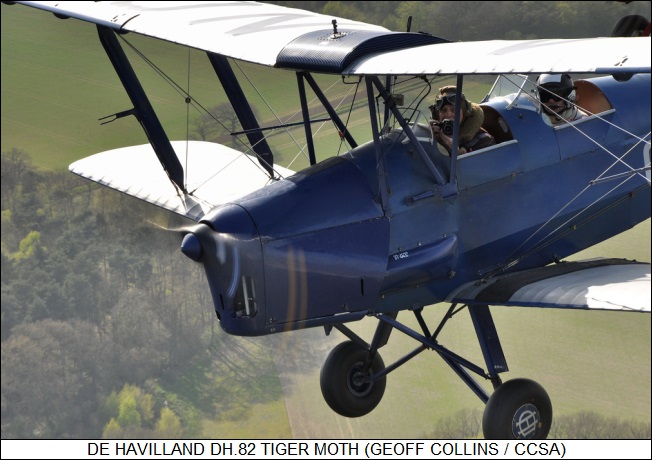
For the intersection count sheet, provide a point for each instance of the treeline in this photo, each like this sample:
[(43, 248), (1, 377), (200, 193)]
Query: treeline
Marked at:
[(95, 296), (467, 424), (478, 20)]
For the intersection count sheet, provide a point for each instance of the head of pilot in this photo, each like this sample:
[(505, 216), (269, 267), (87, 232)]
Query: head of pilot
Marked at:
[(556, 91), (444, 106)]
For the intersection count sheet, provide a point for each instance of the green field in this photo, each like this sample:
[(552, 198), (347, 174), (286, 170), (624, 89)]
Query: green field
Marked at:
[(57, 83)]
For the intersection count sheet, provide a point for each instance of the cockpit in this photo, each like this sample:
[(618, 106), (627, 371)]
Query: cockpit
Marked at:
[(512, 112)]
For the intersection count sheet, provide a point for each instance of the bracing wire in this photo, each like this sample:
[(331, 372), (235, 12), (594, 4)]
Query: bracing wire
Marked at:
[(185, 181), (301, 149), (558, 232), (191, 101)]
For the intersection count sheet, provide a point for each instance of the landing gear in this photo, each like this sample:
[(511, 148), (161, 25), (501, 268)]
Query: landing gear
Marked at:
[(345, 380), (518, 409), (353, 377)]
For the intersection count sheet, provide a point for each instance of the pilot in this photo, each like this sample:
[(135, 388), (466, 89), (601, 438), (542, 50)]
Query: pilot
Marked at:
[(558, 97), (472, 135)]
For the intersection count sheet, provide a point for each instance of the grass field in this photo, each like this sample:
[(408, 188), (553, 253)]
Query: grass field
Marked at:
[(57, 82)]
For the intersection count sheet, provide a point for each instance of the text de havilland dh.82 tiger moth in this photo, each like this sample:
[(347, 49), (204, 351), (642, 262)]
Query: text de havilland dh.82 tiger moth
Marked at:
[(396, 223)]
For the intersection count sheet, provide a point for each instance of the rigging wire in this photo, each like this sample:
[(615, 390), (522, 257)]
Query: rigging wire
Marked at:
[(191, 101), (425, 91), (557, 232), (349, 113), (187, 99), (302, 149), (197, 106), (268, 105), (339, 104), (602, 147), (552, 236), (545, 240)]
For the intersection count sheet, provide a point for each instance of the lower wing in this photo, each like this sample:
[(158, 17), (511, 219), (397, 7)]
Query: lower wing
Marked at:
[(216, 175), (598, 284)]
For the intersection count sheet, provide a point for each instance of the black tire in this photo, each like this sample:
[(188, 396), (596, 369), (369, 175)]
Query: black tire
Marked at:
[(342, 391), (518, 409)]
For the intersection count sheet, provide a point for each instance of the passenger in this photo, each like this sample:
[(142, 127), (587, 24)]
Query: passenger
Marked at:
[(472, 135), (557, 95), (633, 25)]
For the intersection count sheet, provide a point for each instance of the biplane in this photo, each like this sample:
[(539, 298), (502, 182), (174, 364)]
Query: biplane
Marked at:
[(396, 223)]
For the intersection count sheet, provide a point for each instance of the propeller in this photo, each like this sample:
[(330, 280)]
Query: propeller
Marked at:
[(190, 245)]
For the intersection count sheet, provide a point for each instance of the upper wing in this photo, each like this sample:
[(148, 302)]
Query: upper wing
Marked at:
[(292, 38), (599, 284), (250, 31), (586, 55)]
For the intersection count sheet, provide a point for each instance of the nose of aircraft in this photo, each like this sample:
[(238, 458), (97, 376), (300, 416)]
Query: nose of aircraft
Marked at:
[(227, 244)]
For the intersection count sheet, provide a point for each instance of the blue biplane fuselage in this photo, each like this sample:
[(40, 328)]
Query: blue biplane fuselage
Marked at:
[(525, 202)]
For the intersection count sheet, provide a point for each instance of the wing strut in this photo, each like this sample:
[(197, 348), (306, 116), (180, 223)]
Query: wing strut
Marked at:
[(447, 189), (306, 117), (383, 185), (331, 111), (144, 111), (243, 111), (334, 117)]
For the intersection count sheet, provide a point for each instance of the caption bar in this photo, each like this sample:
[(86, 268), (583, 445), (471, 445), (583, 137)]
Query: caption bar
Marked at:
[(332, 449)]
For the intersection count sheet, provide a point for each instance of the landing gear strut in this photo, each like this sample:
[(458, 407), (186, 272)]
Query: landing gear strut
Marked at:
[(353, 377)]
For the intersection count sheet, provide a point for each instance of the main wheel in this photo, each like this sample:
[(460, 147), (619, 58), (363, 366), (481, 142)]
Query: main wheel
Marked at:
[(342, 381), (518, 409)]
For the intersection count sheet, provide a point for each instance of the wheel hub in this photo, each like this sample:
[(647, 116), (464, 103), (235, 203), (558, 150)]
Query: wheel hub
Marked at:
[(526, 421), (358, 382)]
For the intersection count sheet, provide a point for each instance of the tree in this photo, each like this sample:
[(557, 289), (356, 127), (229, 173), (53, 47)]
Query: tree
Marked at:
[(62, 189), (113, 430), (218, 124), (15, 164), (477, 20), (51, 376), (129, 417), (139, 337), (591, 425), (168, 425), (28, 246), (465, 424), (131, 414), (82, 319)]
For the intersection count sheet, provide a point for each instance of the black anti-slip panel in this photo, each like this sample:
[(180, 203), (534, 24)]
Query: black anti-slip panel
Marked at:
[(323, 51)]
